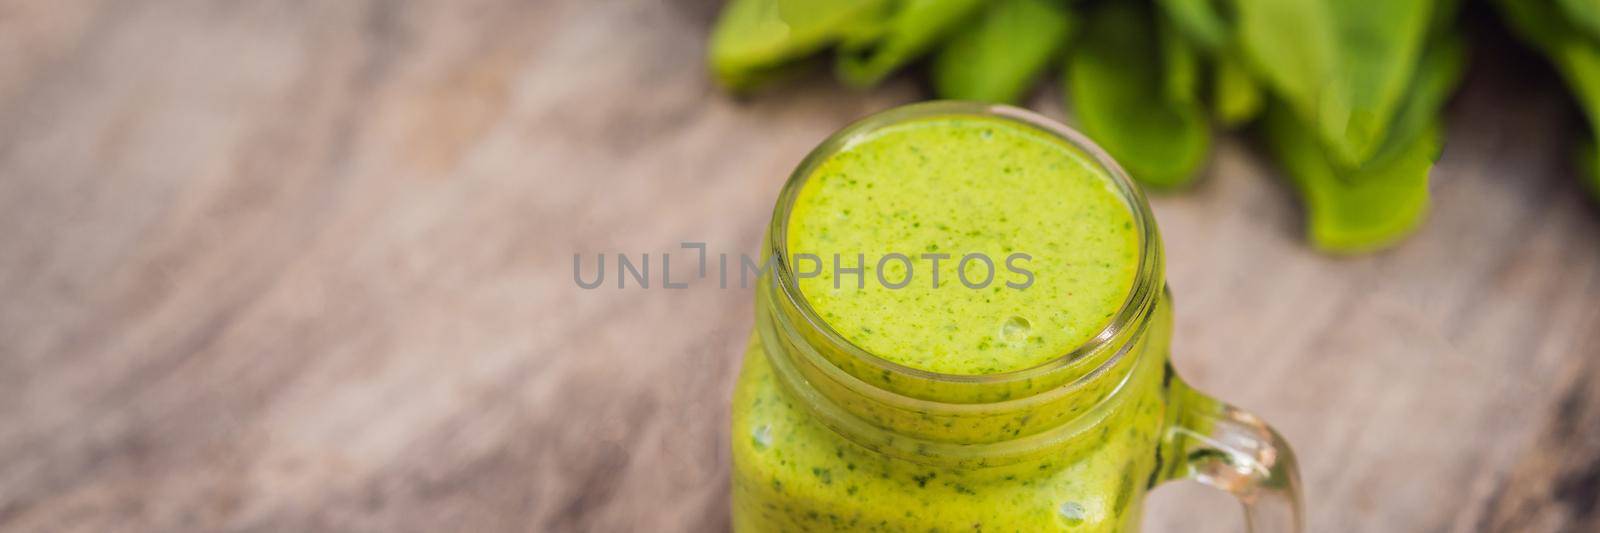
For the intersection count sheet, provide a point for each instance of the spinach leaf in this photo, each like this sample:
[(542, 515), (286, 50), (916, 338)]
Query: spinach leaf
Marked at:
[(1290, 46), (1440, 70), (754, 40), (1538, 22), (1584, 15), (1578, 59), (1352, 211), (1576, 56), (1444, 17), (1180, 61), (1342, 65), (997, 58), (1236, 98), (1200, 21), (869, 53), (1379, 44), (1115, 86)]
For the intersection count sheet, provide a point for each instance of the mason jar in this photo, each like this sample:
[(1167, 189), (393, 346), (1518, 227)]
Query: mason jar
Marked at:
[(828, 436)]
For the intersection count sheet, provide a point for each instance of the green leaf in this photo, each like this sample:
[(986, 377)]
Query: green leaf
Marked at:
[(1003, 53), (1236, 96), (1379, 45), (1589, 162), (1290, 45), (1341, 65), (1583, 14), (1570, 48), (872, 52), (1440, 70), (1578, 59), (754, 39), (1115, 85), (1575, 56), (1199, 21), (1538, 22), (1181, 63), (1353, 211), (1444, 17)]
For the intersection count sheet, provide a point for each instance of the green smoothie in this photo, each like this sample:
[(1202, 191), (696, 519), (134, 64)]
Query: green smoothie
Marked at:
[(793, 474), (959, 184)]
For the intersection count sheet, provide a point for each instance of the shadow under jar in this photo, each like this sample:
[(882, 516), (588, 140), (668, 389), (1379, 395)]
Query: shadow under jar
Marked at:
[(1028, 392)]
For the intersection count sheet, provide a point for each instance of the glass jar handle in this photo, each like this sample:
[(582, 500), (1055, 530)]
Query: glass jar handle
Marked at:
[(1224, 447)]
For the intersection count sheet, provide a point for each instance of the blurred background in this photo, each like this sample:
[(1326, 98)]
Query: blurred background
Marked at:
[(307, 266)]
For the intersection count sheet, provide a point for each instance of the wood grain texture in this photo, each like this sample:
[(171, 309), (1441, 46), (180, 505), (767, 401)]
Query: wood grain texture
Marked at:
[(302, 266)]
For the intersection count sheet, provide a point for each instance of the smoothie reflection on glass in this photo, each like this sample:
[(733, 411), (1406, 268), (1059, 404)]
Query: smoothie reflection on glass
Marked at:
[(1027, 389)]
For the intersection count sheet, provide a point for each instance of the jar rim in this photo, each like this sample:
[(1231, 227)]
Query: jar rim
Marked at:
[(1140, 298)]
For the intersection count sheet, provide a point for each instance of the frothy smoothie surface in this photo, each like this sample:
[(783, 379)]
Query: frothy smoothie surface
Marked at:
[(959, 185)]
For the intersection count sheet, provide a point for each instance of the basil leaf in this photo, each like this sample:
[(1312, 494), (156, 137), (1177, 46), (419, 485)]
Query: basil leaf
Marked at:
[(1115, 85), (1352, 211), (755, 39), (1002, 54), (871, 52)]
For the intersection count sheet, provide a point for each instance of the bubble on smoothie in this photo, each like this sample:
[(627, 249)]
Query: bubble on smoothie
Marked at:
[(1072, 512), (761, 437), (1015, 330)]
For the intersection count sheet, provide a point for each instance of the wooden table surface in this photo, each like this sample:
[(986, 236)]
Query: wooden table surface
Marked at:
[(297, 266)]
